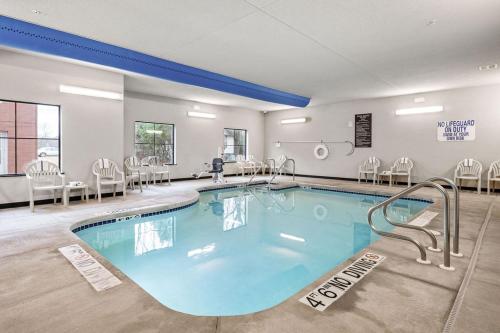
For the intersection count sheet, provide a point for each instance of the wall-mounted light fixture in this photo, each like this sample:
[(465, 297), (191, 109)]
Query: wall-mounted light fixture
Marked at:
[(425, 109), (90, 92), (201, 115), (293, 121)]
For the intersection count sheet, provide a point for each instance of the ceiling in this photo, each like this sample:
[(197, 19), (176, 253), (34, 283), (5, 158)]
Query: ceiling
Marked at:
[(329, 50)]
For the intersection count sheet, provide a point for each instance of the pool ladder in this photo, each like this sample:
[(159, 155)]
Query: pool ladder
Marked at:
[(280, 169), (431, 182)]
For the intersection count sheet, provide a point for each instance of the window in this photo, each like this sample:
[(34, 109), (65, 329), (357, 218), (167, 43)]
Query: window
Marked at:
[(28, 131), (235, 144), (154, 139)]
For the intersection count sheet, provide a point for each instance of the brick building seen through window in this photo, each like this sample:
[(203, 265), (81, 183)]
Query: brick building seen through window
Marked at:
[(28, 131)]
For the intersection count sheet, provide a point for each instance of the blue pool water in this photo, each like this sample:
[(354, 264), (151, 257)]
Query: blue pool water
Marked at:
[(237, 252)]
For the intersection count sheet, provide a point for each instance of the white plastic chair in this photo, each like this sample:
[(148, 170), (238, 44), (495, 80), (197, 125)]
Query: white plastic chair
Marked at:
[(243, 165), (469, 169), (108, 173), (257, 165), (493, 175), (402, 167), (279, 161), (369, 167), (156, 167), (45, 176), (135, 171)]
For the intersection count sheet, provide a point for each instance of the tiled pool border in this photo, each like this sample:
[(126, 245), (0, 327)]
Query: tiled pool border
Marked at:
[(119, 219), (82, 225)]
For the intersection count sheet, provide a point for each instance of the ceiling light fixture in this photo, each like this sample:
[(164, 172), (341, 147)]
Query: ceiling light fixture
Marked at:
[(201, 115), (196, 107), (419, 100), (90, 92), (293, 121), (425, 109), (36, 11)]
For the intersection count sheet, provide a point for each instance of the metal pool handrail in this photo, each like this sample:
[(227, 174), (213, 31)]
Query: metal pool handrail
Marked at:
[(414, 227), (271, 170), (456, 214), (446, 209), (281, 168), (253, 176)]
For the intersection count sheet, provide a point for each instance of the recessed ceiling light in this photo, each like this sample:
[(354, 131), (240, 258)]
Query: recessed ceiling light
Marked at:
[(489, 67), (36, 11)]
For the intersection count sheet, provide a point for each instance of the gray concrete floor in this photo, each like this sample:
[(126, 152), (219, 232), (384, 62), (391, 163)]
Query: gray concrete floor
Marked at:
[(41, 292)]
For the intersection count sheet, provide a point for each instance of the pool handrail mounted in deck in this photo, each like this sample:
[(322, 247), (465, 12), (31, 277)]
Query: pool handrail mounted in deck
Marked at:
[(432, 182), (281, 169)]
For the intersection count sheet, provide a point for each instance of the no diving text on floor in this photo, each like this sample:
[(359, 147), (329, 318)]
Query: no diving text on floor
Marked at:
[(335, 287)]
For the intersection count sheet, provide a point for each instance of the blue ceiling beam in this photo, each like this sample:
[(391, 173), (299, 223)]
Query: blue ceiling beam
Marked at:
[(27, 36)]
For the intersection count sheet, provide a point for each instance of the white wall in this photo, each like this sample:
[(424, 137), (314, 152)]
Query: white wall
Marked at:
[(94, 127), (196, 139), (91, 127), (393, 136)]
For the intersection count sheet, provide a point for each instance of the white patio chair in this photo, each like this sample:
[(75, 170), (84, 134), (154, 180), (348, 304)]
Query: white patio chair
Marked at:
[(469, 169), (369, 167), (279, 161), (493, 174), (243, 165), (45, 176), (402, 167), (107, 173), (257, 165), (156, 167), (135, 171)]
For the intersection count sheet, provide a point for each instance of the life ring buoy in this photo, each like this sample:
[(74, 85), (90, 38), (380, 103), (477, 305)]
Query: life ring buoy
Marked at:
[(321, 151), (320, 212)]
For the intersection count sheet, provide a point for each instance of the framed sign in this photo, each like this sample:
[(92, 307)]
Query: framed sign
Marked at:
[(456, 130), (363, 130)]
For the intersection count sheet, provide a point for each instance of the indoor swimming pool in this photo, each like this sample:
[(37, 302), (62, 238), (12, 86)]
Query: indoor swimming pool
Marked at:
[(239, 251)]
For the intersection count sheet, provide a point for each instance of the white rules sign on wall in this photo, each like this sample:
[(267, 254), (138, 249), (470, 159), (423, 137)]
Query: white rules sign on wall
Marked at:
[(456, 130)]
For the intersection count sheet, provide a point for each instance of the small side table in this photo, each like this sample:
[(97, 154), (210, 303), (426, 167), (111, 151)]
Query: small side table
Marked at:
[(84, 188), (386, 174)]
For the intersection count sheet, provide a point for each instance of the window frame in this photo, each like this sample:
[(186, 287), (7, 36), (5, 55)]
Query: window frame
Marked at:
[(174, 134), (224, 144), (16, 138)]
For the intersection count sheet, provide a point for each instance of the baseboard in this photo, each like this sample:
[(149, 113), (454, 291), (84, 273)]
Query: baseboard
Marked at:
[(468, 188)]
